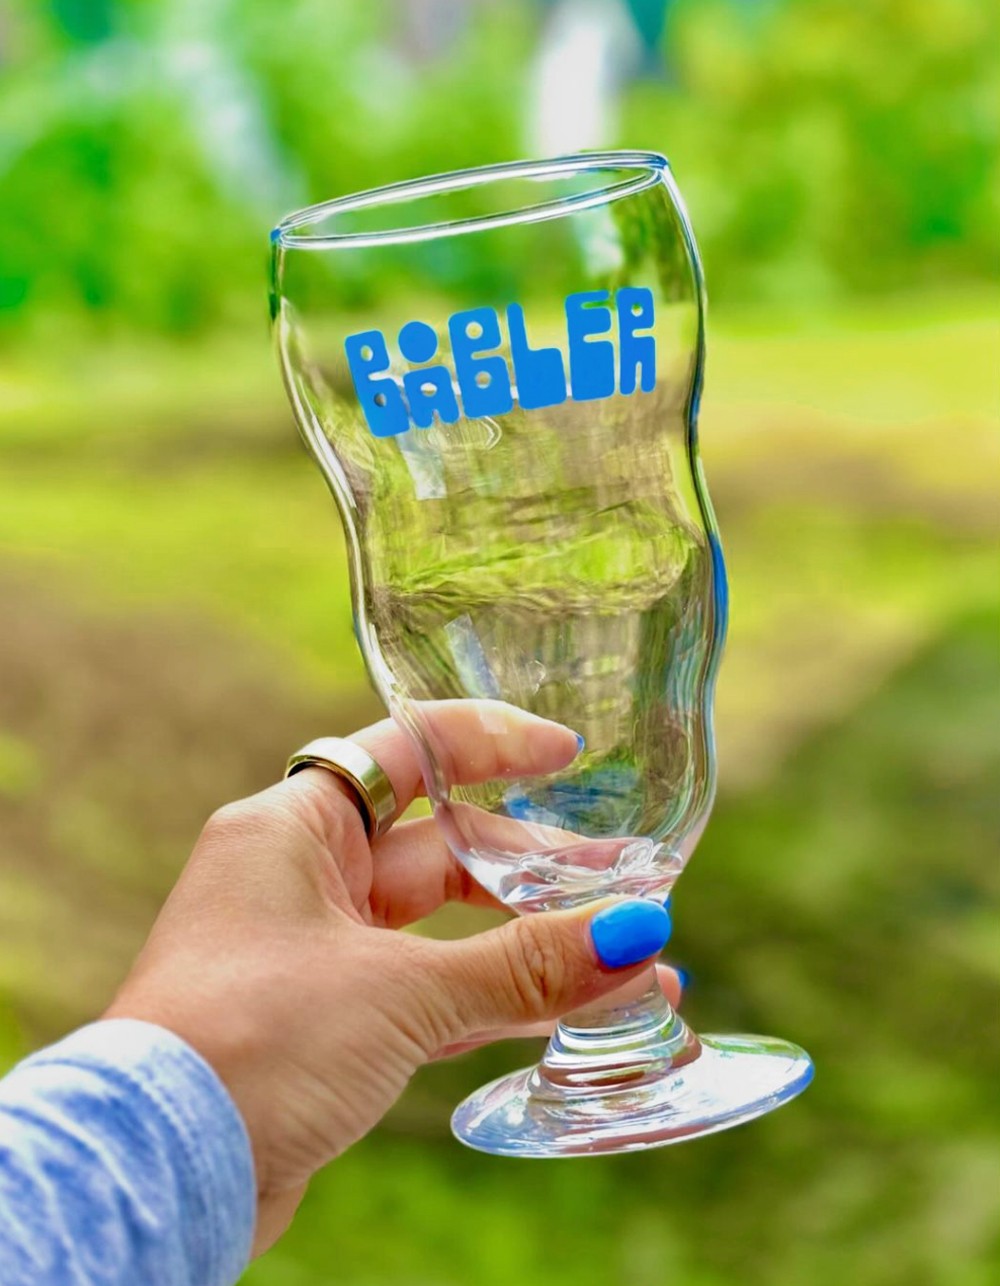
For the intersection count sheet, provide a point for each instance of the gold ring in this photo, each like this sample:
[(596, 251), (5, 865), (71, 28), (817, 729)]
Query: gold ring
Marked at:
[(352, 763)]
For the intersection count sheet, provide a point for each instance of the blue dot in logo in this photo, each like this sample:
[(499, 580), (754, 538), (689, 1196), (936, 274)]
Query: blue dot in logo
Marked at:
[(417, 341)]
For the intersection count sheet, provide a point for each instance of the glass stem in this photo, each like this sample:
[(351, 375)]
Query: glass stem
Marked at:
[(618, 1043)]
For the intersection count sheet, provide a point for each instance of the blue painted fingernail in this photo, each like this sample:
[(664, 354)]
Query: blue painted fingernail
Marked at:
[(629, 932), (668, 902), (683, 977), (580, 742)]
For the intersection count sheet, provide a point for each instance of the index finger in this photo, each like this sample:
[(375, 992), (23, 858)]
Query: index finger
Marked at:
[(463, 742)]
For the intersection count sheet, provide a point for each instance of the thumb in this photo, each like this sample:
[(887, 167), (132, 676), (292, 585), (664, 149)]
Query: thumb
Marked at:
[(544, 965)]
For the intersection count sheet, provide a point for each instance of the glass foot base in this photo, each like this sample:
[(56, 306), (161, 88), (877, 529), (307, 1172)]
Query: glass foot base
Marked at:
[(733, 1079)]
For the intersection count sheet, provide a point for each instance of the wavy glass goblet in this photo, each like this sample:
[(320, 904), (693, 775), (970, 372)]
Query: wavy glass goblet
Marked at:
[(498, 373)]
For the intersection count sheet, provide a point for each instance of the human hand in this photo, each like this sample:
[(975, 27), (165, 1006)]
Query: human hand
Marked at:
[(277, 954)]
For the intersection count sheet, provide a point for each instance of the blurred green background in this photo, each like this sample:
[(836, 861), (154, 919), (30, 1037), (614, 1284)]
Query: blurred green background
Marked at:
[(175, 613)]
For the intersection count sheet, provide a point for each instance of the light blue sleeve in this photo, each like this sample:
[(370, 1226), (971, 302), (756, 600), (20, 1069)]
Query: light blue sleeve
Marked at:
[(123, 1162)]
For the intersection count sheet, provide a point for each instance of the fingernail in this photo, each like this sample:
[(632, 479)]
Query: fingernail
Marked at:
[(629, 932), (668, 902), (683, 977), (580, 742)]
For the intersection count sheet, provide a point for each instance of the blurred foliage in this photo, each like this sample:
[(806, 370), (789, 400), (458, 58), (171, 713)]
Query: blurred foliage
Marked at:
[(829, 147), (824, 147), (172, 576)]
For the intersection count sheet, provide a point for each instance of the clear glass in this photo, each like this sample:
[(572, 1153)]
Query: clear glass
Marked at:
[(498, 372)]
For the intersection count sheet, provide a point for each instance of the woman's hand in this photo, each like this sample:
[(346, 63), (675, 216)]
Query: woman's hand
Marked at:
[(277, 958)]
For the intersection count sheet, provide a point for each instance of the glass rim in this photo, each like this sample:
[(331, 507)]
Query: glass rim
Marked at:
[(651, 167)]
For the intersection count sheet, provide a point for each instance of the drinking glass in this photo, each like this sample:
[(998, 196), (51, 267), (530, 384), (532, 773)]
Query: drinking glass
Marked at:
[(498, 373)]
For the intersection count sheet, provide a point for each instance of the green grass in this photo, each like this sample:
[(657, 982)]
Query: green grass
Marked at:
[(253, 544)]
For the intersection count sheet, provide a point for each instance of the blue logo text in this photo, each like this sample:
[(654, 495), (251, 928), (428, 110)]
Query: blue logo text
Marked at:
[(485, 382)]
